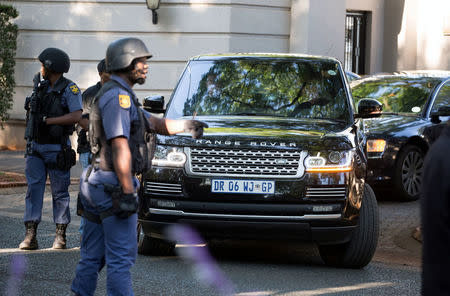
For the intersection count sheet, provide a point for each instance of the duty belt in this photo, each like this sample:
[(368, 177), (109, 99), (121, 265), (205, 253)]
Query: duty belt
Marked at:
[(90, 216), (97, 218)]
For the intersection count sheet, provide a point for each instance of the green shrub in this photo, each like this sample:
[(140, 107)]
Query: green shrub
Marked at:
[(8, 45)]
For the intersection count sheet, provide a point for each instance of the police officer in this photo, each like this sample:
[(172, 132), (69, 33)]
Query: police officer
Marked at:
[(118, 129), (59, 105), (83, 147)]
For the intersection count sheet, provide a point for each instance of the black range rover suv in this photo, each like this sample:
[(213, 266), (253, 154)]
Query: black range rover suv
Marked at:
[(283, 158)]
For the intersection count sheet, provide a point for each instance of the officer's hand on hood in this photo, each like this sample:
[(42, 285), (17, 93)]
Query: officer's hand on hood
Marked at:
[(195, 127)]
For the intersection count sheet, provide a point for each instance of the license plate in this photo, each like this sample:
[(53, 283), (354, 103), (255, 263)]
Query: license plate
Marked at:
[(242, 186)]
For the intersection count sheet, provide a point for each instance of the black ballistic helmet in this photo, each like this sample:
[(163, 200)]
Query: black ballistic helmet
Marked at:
[(121, 53), (101, 66), (55, 59)]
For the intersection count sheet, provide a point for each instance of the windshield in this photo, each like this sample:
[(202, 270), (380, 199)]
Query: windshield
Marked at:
[(398, 94), (261, 87)]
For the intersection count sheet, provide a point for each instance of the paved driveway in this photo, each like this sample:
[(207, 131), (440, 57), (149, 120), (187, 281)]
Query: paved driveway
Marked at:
[(254, 269)]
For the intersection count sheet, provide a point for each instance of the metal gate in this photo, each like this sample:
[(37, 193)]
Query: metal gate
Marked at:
[(355, 40)]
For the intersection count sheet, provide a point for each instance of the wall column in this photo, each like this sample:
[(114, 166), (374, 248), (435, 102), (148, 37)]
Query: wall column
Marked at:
[(299, 32), (318, 27)]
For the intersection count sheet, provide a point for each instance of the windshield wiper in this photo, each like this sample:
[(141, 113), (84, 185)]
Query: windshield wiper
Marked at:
[(389, 113), (244, 113), (329, 119), (256, 114)]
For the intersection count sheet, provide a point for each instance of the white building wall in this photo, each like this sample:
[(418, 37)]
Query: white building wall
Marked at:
[(433, 45), (318, 27), (403, 34), (84, 28), (185, 28), (415, 35), (400, 35), (261, 26), (327, 28)]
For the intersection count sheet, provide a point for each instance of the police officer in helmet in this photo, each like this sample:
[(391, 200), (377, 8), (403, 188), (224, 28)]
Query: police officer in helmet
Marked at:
[(88, 95), (58, 108), (118, 130), (83, 147)]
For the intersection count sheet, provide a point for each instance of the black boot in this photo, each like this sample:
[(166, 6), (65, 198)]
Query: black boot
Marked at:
[(30, 241), (60, 237)]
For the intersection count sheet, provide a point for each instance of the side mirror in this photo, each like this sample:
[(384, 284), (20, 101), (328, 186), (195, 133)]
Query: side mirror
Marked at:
[(369, 108), (441, 111), (154, 104)]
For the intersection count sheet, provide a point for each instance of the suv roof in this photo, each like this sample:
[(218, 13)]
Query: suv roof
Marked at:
[(219, 56)]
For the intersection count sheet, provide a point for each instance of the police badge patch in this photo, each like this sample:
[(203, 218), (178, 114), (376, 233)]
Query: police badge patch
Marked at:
[(75, 90), (124, 101)]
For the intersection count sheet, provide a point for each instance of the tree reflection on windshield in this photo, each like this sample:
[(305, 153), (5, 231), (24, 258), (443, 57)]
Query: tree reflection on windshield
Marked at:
[(273, 87)]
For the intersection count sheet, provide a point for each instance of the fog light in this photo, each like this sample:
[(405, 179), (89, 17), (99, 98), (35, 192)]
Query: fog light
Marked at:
[(176, 157), (322, 208), (315, 161)]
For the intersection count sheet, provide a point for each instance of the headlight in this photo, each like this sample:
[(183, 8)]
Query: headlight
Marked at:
[(329, 162), (377, 145), (168, 156)]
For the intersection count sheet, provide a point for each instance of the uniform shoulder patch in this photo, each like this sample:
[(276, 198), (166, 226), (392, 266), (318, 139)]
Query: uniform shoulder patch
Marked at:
[(74, 89), (124, 101)]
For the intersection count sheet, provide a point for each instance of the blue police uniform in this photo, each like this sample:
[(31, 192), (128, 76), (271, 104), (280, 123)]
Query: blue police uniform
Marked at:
[(113, 241), (36, 170)]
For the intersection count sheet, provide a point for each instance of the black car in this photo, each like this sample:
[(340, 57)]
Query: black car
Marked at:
[(415, 108), (351, 76), (283, 158)]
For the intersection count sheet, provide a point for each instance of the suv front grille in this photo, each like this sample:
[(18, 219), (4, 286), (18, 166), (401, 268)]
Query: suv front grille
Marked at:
[(326, 193), (245, 162)]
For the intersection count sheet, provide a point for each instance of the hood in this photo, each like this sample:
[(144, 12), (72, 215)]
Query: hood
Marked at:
[(392, 124), (251, 131)]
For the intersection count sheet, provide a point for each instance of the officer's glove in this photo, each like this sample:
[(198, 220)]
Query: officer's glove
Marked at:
[(195, 127), (126, 205)]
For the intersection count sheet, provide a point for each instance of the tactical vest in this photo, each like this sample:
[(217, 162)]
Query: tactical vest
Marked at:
[(88, 96), (140, 143), (50, 105)]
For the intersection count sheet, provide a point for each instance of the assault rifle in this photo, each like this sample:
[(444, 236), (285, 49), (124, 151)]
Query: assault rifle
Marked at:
[(33, 116)]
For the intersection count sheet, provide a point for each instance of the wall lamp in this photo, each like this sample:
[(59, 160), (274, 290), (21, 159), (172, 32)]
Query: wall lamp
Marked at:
[(153, 5)]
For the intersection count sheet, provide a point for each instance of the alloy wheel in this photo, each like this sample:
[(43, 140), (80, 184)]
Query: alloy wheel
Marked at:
[(412, 172)]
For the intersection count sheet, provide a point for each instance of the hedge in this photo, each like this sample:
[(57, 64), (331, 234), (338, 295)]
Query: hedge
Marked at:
[(8, 45)]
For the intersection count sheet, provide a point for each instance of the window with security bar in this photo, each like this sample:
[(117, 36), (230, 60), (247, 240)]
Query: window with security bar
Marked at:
[(355, 41)]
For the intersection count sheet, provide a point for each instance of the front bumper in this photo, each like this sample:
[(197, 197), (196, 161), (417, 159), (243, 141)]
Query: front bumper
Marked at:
[(380, 170), (242, 229), (289, 214), (381, 166)]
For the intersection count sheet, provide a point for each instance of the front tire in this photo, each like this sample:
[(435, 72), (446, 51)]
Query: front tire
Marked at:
[(148, 245), (358, 252), (409, 173)]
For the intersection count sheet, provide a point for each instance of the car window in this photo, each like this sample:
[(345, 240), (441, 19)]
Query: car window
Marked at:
[(176, 106), (443, 97), (398, 94), (283, 88)]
